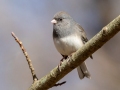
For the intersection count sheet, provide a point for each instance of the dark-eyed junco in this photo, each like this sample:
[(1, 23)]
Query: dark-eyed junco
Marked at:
[(68, 37)]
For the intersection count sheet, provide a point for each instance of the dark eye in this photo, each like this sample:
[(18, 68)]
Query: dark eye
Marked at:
[(59, 19)]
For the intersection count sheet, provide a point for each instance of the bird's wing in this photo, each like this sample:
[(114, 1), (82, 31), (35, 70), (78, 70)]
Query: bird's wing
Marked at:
[(83, 35)]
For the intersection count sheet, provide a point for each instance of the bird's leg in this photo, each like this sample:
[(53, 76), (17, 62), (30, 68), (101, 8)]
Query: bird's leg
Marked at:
[(64, 57), (68, 58), (61, 61), (60, 64)]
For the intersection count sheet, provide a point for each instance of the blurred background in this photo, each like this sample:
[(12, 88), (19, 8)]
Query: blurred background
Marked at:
[(30, 21)]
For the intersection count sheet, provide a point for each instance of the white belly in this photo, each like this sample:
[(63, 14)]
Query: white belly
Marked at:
[(68, 45)]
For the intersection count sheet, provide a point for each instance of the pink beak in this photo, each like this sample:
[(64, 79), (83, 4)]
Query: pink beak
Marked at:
[(54, 21)]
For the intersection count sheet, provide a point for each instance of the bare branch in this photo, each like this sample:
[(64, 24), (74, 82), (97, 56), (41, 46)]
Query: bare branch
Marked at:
[(59, 84), (27, 57)]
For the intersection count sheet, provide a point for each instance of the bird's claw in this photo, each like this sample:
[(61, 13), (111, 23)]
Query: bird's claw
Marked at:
[(60, 64), (63, 60)]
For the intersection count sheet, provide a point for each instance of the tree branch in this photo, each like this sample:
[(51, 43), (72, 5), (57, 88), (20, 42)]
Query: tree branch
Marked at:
[(27, 57), (78, 57)]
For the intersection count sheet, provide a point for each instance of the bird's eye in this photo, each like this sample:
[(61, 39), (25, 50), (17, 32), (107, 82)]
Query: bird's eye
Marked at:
[(59, 19)]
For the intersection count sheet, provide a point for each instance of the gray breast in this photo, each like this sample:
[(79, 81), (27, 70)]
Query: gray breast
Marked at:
[(61, 33)]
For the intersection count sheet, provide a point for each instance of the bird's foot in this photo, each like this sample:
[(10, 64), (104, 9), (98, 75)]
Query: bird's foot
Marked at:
[(64, 58), (68, 58), (60, 63)]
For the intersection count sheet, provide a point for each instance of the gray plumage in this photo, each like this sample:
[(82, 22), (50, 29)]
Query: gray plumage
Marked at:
[(68, 37)]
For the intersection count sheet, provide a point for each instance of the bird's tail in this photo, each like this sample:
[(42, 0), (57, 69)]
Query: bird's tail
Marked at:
[(83, 71)]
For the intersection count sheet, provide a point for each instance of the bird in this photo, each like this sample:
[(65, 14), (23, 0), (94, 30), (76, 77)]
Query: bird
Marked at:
[(68, 37)]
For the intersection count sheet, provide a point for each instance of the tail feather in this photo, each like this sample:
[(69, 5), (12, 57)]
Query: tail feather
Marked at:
[(83, 71)]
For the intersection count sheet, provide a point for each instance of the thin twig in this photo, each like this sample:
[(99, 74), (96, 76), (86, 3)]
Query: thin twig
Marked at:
[(27, 57), (59, 84)]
